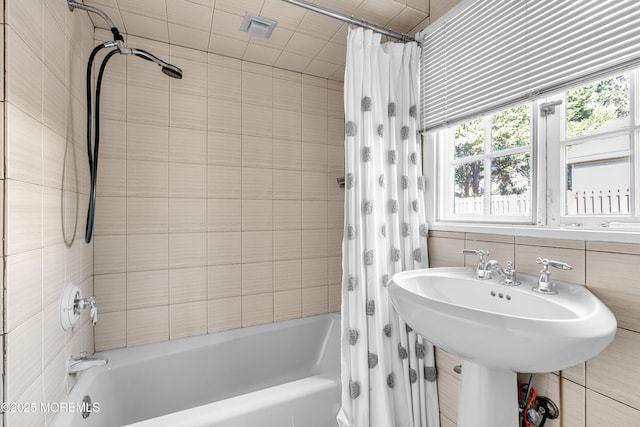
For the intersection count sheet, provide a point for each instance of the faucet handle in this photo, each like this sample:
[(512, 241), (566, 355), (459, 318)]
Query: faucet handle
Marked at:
[(549, 262), (90, 302), (509, 269), (509, 275), (481, 272), (480, 252), (545, 285), (94, 315)]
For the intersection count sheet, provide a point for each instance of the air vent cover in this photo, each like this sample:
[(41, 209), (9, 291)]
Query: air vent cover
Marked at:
[(257, 26)]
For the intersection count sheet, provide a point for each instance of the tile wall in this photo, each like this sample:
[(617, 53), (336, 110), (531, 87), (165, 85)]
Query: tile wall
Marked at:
[(304, 41), (604, 391), (218, 206), (45, 183)]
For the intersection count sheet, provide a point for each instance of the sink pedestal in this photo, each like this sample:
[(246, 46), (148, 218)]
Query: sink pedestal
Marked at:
[(488, 397)]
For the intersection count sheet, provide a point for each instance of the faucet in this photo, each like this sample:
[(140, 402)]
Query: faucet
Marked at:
[(508, 274), (83, 362), (480, 270), (545, 285)]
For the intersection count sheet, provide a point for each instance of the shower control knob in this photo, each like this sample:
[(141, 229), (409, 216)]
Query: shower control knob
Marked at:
[(94, 315)]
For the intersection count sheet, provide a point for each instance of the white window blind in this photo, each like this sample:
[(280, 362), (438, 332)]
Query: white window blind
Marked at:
[(494, 53)]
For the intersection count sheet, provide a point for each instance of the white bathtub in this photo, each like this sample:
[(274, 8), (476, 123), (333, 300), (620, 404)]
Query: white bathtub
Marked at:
[(281, 374)]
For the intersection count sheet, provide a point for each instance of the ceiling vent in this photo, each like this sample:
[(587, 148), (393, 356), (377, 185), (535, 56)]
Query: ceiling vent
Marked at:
[(257, 26)]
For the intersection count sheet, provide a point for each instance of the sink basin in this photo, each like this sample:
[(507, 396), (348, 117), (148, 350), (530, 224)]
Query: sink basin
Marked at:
[(523, 331), (499, 330)]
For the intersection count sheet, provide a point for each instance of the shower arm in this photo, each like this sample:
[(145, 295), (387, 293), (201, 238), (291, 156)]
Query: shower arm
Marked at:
[(145, 55), (116, 34), (118, 39)]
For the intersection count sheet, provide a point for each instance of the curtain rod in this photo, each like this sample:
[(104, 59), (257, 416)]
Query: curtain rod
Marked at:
[(350, 19)]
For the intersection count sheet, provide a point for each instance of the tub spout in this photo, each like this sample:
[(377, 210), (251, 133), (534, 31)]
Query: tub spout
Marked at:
[(83, 362)]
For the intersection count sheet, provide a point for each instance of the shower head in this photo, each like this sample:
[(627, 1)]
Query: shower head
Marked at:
[(169, 69), (172, 71)]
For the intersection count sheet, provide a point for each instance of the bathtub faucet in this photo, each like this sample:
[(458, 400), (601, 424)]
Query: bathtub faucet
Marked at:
[(82, 362)]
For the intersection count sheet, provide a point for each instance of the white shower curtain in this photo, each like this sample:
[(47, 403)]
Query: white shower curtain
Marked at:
[(388, 373)]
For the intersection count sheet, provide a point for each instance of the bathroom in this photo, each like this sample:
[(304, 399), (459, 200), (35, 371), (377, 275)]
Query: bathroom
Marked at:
[(218, 206)]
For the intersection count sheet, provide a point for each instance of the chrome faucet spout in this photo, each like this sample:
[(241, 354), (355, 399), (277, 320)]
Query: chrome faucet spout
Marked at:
[(493, 265), (82, 362), (508, 274)]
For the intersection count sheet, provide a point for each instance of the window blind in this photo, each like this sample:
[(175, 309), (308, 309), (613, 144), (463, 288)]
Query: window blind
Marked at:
[(494, 53)]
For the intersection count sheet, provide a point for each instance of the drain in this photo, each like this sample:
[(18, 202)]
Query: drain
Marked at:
[(86, 406)]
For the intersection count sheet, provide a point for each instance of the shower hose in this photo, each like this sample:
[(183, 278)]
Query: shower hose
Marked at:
[(93, 146)]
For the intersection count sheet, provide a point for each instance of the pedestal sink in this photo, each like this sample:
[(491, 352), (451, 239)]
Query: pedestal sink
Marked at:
[(499, 330)]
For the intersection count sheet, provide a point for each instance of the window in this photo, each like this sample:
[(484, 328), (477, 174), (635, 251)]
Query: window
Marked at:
[(487, 167), (596, 136), (575, 166)]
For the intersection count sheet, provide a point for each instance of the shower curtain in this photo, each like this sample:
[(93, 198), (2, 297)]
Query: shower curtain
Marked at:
[(388, 372)]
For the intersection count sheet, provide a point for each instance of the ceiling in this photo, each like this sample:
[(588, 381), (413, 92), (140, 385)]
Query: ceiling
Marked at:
[(303, 41)]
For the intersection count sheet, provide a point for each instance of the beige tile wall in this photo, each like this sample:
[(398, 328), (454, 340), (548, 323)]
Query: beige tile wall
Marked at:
[(45, 183), (217, 203), (604, 391)]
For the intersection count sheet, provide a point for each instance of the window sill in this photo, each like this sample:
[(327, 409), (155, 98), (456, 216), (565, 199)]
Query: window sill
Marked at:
[(617, 235)]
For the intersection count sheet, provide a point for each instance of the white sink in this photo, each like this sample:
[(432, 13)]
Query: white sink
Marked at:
[(499, 330)]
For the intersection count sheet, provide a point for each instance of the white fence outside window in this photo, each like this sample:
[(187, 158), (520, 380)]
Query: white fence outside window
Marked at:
[(515, 204), (588, 202), (580, 202)]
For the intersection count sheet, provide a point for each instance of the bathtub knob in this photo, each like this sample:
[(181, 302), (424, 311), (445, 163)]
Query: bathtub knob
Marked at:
[(72, 305), (94, 315)]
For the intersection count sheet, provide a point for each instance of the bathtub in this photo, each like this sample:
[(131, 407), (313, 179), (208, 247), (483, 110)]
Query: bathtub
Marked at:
[(276, 375)]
